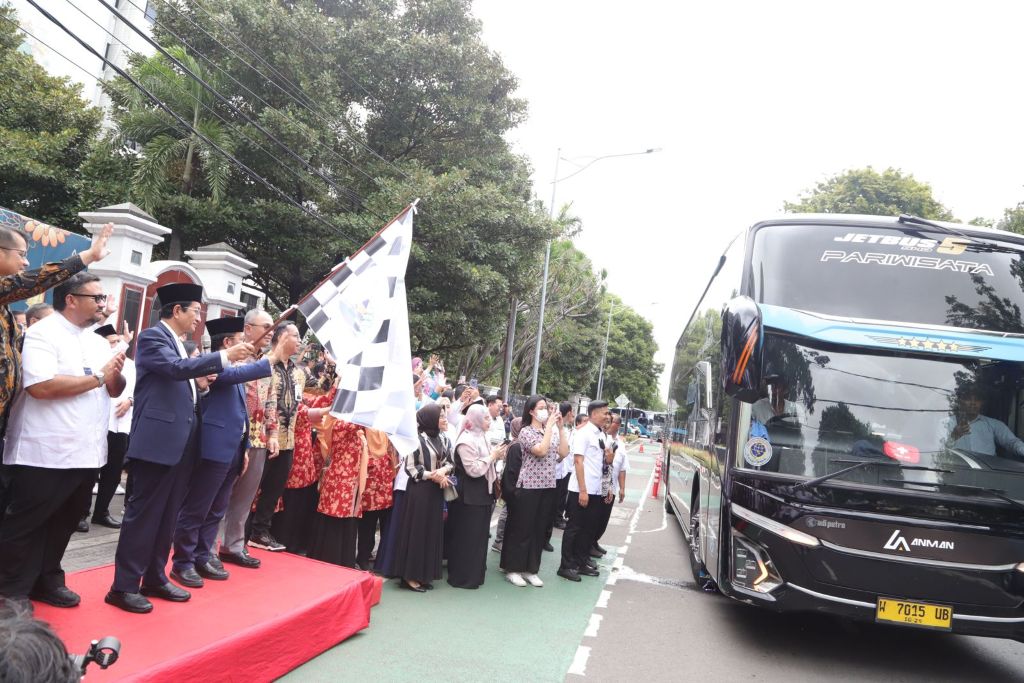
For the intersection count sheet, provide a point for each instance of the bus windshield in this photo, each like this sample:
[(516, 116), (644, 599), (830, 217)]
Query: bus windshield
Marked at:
[(906, 275), (823, 408)]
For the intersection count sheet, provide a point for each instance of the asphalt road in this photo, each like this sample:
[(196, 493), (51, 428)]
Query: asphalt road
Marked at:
[(656, 626)]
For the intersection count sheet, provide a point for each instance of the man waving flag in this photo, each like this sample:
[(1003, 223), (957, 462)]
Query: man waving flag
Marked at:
[(360, 313)]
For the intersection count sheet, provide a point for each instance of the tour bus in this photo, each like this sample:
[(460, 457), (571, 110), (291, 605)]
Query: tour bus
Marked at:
[(849, 402)]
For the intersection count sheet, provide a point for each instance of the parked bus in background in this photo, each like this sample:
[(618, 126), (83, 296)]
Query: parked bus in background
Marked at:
[(849, 402)]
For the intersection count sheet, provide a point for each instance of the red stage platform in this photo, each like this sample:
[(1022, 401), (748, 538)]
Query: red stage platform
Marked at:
[(256, 626)]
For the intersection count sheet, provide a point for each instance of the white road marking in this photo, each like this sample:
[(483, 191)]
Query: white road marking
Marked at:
[(602, 600), (579, 662), (593, 626)]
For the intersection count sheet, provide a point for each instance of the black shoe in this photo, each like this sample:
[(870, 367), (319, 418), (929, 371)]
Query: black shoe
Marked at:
[(591, 564), (570, 574), (414, 589), (209, 571), (215, 561), (242, 559), (187, 577), (107, 521), (61, 596), (560, 524), (266, 542), (428, 586), (588, 571), (595, 553), (83, 525), (129, 602), (601, 549), (549, 548), (168, 591)]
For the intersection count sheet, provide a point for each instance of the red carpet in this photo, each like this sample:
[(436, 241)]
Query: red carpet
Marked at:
[(256, 626)]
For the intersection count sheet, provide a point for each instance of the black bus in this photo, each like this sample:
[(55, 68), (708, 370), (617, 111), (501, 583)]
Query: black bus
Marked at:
[(848, 406)]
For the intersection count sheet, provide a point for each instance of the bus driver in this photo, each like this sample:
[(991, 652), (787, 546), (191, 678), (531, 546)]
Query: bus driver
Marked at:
[(971, 431)]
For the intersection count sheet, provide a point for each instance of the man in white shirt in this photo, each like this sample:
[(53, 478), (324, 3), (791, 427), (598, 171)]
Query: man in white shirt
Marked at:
[(117, 436), (590, 457), (496, 432), (620, 465), (56, 441)]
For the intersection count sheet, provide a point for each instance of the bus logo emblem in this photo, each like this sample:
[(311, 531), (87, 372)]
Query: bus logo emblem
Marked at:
[(897, 542)]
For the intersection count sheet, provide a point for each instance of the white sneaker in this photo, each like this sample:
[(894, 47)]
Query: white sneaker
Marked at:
[(534, 580), (516, 579)]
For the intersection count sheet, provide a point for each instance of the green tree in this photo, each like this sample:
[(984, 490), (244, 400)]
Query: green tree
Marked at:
[(630, 368), (45, 132), (866, 191), (1013, 219)]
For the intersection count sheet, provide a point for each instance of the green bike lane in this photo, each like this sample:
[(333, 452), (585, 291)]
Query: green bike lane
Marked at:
[(498, 632)]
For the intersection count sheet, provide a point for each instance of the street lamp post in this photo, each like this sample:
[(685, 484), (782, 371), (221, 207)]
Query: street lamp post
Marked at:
[(604, 353), (547, 255)]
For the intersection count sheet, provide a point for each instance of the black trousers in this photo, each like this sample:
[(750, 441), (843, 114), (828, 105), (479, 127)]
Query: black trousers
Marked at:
[(580, 532), (110, 474), (527, 530), (150, 515), (43, 509), (368, 534), (606, 514), (205, 504), (275, 477)]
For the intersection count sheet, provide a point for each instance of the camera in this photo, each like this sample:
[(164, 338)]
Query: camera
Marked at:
[(104, 652)]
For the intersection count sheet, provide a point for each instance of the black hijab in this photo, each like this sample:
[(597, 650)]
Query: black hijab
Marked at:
[(427, 419)]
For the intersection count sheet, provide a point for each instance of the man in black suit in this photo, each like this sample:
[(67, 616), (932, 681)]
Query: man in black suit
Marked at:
[(163, 446)]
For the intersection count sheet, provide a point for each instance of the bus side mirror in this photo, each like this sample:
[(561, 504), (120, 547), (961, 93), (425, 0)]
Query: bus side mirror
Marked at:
[(742, 346)]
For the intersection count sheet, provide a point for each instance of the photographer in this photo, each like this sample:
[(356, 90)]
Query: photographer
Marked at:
[(30, 652)]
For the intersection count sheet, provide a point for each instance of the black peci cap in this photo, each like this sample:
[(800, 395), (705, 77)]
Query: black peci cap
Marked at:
[(105, 330), (179, 293), (229, 325)]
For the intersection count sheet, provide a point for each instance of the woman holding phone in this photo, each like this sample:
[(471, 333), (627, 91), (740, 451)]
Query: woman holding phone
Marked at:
[(544, 443)]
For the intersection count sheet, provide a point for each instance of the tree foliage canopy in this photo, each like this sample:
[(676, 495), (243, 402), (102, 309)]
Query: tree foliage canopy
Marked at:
[(866, 191)]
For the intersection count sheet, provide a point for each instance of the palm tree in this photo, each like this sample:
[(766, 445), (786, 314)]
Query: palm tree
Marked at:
[(170, 158)]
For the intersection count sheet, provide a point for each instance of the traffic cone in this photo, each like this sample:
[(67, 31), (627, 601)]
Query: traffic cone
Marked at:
[(641, 447), (657, 478)]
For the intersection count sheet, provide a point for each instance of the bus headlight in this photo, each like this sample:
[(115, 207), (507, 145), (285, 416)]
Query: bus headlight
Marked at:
[(1020, 567), (752, 568), (774, 527)]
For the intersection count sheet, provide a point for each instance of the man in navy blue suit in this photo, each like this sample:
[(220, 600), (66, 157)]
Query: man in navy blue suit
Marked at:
[(163, 446), (223, 439)]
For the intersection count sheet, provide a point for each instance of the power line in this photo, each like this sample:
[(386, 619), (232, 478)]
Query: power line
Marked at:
[(187, 126), (284, 78), (238, 112), (210, 109)]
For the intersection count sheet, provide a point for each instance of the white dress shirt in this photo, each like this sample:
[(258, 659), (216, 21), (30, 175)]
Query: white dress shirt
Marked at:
[(61, 433), (588, 444), (496, 433), (123, 424), (183, 354)]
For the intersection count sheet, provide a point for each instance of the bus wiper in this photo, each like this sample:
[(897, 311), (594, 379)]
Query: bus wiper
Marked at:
[(907, 219), (965, 488), (857, 464)]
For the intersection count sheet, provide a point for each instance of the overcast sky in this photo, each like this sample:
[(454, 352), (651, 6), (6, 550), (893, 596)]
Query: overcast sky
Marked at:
[(752, 103)]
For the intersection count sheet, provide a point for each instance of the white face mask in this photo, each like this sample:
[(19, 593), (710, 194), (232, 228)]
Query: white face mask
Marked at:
[(542, 416)]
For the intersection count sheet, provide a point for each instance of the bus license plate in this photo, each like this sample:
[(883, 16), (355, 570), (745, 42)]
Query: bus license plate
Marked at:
[(920, 614)]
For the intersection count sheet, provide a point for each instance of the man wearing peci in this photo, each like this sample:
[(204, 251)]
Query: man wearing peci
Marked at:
[(163, 446), (224, 439)]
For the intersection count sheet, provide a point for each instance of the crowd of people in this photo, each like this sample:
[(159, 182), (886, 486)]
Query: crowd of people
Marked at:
[(236, 447)]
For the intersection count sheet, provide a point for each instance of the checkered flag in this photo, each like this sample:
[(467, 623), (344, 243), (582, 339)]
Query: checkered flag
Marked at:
[(361, 315)]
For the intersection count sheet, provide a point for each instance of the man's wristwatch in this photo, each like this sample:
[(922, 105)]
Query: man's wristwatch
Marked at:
[(99, 378)]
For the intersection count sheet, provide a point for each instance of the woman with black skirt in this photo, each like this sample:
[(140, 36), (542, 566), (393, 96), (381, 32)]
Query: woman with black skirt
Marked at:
[(544, 444), (469, 515), (419, 544)]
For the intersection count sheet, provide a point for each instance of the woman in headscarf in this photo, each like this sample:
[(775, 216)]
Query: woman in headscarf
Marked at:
[(544, 443), (380, 472), (469, 515), (418, 546)]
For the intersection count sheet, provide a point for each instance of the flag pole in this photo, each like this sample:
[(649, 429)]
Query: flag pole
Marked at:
[(410, 207)]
